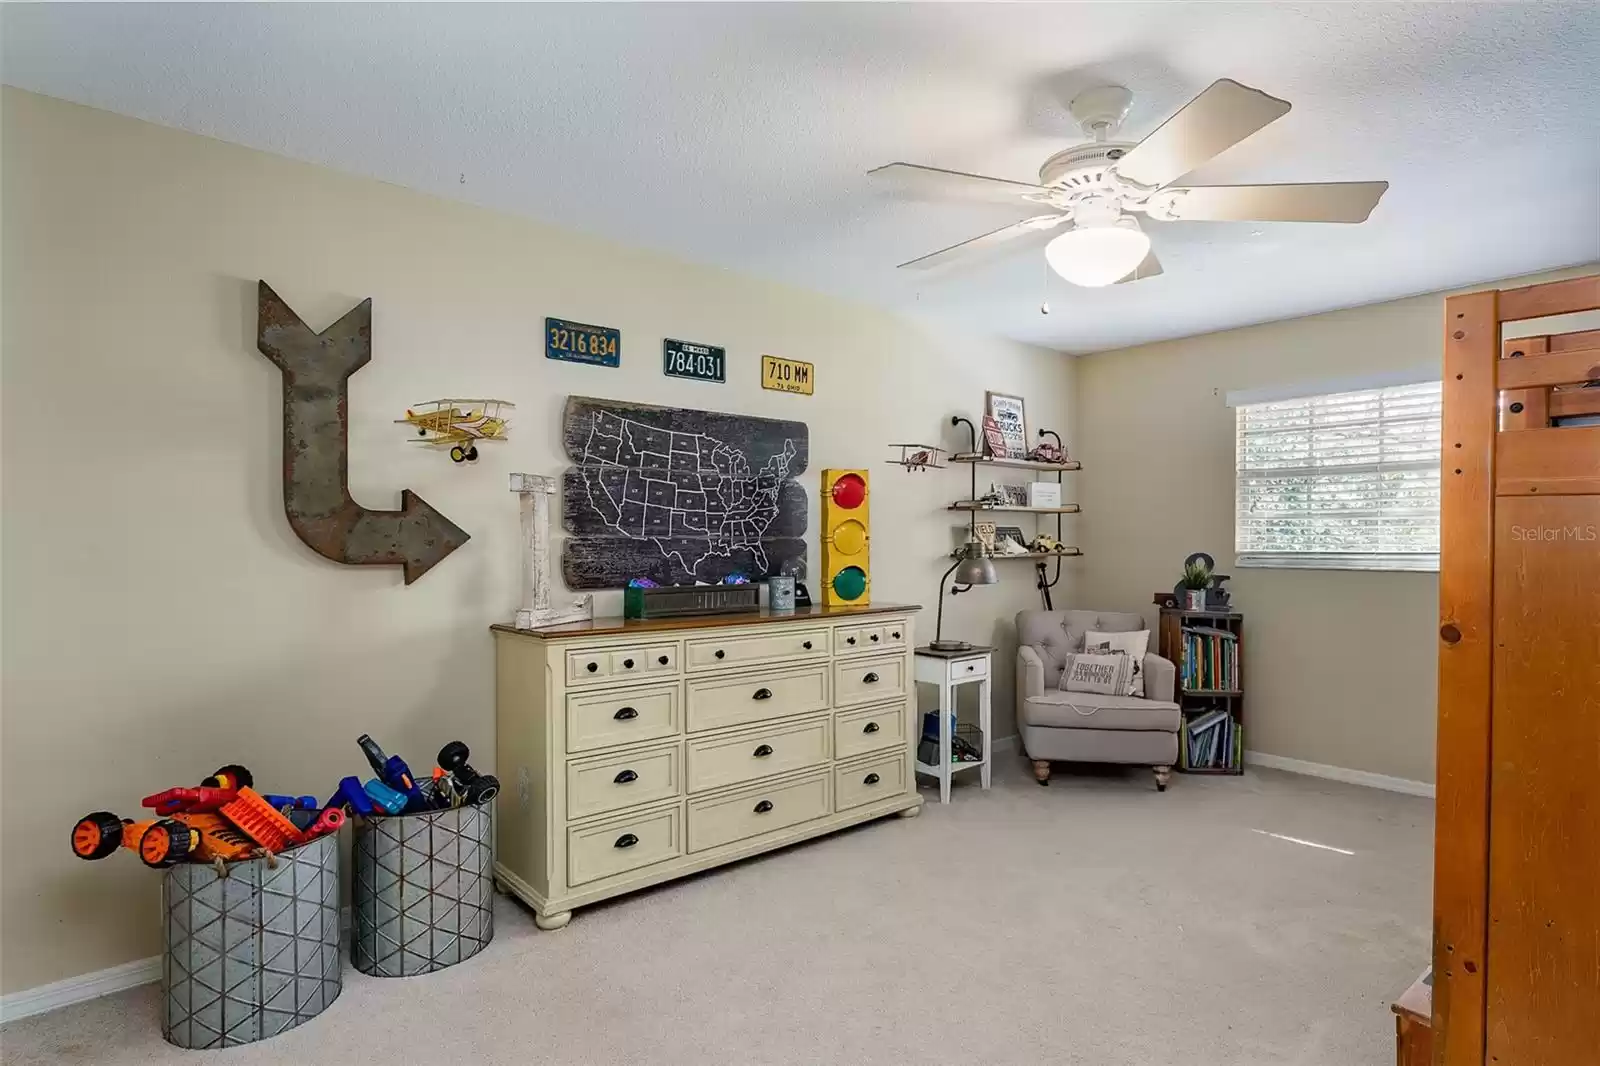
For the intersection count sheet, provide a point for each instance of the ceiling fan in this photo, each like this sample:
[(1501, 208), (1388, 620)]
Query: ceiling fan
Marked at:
[(1098, 187)]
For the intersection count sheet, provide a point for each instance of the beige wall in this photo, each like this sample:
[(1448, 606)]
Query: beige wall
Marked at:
[(160, 618), (1340, 665)]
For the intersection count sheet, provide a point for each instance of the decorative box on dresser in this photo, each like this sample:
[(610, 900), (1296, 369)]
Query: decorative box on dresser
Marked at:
[(632, 752)]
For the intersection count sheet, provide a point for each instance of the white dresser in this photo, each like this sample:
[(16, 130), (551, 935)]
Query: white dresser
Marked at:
[(634, 752)]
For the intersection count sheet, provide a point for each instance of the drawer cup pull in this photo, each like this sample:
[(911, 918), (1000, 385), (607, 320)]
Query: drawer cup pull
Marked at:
[(626, 840), (627, 664), (663, 660), (626, 777), (625, 713), (592, 667), (764, 806), (870, 679), (721, 653), (762, 694), (870, 727), (870, 779), (806, 645), (763, 751)]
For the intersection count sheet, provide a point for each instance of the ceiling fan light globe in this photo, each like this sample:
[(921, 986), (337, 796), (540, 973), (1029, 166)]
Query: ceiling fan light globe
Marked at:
[(1096, 256)]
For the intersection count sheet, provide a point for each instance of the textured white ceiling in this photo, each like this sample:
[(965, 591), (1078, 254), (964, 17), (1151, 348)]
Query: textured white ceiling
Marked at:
[(738, 134)]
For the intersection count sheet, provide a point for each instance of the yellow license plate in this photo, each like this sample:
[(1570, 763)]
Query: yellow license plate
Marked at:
[(787, 375)]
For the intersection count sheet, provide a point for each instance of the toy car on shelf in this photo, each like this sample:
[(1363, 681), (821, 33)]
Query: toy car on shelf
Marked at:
[(1047, 453), (1044, 544)]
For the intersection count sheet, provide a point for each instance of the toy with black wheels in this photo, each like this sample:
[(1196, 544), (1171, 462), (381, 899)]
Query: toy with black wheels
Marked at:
[(97, 835), (476, 788)]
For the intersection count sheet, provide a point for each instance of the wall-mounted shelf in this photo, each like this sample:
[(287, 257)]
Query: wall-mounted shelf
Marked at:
[(974, 505), (1070, 553), (1021, 464)]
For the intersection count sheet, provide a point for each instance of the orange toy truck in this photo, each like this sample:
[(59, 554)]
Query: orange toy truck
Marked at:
[(161, 842)]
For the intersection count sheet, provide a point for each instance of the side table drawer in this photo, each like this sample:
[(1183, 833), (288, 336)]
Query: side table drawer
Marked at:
[(963, 669), (623, 844), (868, 680), (752, 753), (750, 812), (606, 719), (718, 701), (869, 780), (629, 779), (869, 729)]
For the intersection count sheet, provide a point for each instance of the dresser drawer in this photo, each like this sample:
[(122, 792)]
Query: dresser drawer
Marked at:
[(708, 653), (622, 844), (896, 634), (720, 701), (750, 812), (858, 640), (868, 680), (869, 780), (754, 753), (869, 729), (606, 719), (612, 782), (586, 665)]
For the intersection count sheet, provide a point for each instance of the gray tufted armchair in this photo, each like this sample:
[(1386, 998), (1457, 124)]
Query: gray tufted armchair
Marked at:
[(1086, 727)]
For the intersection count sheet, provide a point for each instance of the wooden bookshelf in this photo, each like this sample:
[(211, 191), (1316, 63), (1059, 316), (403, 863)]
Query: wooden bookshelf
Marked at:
[(1197, 691)]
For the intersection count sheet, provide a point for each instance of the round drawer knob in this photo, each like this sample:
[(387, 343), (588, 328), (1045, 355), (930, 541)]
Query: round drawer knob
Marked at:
[(849, 640), (895, 635), (764, 806), (870, 779), (806, 645), (662, 660), (721, 653), (627, 777), (874, 638), (627, 664), (626, 840), (592, 667)]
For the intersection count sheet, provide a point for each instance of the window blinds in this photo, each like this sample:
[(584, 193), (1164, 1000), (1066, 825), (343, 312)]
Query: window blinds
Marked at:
[(1346, 480)]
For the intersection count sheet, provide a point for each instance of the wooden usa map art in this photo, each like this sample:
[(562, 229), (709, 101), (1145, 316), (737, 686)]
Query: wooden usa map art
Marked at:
[(680, 496)]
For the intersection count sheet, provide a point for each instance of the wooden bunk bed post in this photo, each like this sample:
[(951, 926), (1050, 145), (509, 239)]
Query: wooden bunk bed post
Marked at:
[(1466, 584), (1516, 950)]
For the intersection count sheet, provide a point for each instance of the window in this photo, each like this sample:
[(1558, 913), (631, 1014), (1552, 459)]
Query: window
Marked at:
[(1341, 480)]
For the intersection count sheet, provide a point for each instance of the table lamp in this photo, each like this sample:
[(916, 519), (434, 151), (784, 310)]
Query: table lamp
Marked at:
[(971, 568)]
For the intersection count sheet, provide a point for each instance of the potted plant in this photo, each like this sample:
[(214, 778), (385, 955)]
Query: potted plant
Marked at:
[(1196, 578)]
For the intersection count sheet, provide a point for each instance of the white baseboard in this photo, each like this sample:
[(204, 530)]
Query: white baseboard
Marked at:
[(89, 986), (79, 989), (1339, 773)]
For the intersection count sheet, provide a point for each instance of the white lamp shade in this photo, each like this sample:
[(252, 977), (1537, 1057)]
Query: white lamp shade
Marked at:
[(1093, 256)]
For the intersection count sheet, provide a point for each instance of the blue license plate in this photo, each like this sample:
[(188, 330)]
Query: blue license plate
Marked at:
[(700, 362), (578, 342)]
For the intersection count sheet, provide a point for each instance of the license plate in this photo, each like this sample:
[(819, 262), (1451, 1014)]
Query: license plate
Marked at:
[(700, 362), (577, 342), (787, 375)]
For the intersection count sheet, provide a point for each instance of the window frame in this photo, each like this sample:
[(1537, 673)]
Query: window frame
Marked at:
[(1380, 562)]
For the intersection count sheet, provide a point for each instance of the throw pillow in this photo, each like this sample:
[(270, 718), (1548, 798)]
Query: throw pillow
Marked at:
[(1106, 675), (1133, 645)]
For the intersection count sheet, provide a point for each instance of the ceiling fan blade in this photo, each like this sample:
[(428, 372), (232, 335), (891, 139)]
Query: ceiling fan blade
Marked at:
[(1210, 124), (1147, 269), (934, 183), (1037, 224), (1334, 201)]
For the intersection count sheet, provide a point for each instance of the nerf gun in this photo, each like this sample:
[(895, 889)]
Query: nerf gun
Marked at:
[(462, 780), (353, 796), (221, 787), (385, 798), (393, 772)]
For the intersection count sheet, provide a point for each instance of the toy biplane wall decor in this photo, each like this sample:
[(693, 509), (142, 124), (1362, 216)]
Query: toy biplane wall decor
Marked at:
[(459, 424), (918, 457)]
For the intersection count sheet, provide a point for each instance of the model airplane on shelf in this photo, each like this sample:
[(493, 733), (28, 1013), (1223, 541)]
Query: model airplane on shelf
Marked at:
[(918, 457), (459, 424)]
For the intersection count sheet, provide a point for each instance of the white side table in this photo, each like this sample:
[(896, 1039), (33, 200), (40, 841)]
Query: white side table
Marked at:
[(946, 670)]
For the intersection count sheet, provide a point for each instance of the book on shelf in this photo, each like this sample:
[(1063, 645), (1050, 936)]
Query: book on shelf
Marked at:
[(1210, 660), (1211, 740)]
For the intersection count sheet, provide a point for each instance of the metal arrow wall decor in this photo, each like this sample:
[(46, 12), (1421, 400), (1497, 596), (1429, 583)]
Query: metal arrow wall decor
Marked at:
[(316, 448)]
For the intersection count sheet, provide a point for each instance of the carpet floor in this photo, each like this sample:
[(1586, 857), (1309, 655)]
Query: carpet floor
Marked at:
[(1094, 922)]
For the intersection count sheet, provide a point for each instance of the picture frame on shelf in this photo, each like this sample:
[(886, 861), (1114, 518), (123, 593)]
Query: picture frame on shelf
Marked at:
[(985, 534), (1009, 533), (1010, 417), (1013, 495)]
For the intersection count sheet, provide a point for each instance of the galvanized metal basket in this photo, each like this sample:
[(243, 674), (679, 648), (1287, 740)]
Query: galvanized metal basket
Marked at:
[(424, 891), (253, 953)]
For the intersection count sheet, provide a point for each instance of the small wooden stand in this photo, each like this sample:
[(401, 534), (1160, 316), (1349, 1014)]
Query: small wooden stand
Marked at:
[(1193, 700), (1413, 1023)]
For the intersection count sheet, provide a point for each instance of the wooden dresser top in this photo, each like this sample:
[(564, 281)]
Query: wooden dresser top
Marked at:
[(601, 627)]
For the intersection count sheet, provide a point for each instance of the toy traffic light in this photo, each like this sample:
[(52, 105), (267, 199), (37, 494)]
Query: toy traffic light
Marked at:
[(846, 539)]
